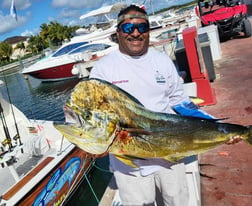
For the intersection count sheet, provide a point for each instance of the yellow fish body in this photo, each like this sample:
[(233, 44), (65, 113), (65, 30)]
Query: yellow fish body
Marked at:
[(103, 117)]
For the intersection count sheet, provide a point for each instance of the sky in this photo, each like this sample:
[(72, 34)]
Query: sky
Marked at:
[(32, 13)]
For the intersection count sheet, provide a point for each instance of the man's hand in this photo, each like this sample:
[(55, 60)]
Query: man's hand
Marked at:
[(234, 140)]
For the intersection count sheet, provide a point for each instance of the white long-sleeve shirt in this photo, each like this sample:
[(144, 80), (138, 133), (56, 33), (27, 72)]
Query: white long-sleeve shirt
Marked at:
[(152, 79)]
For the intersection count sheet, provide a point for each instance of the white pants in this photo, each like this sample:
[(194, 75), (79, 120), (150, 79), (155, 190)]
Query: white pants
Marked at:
[(166, 187)]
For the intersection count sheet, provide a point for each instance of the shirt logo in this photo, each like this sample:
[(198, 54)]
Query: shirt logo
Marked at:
[(120, 82), (159, 77)]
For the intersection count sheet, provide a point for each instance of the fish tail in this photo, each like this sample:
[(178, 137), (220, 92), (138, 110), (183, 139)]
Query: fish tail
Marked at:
[(249, 139)]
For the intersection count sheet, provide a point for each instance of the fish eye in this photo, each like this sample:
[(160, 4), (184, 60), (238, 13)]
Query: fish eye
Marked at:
[(87, 115)]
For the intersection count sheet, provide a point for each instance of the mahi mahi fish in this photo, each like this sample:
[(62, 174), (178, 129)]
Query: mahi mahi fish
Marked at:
[(100, 117)]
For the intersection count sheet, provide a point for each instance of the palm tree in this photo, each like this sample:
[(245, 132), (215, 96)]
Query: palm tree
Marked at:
[(52, 34), (20, 46), (44, 32), (5, 51), (56, 32), (36, 44)]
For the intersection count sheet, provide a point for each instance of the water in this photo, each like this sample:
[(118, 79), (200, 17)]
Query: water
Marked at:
[(99, 178), (44, 101), (35, 99)]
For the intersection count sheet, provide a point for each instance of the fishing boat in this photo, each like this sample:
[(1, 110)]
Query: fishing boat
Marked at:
[(59, 65), (38, 166), (85, 47)]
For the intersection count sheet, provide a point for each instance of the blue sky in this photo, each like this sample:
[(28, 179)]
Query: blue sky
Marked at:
[(32, 13)]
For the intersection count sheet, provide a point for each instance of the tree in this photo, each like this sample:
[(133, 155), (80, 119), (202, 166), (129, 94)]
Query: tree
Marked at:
[(36, 44), (53, 33), (44, 31), (56, 32), (5, 51), (20, 46)]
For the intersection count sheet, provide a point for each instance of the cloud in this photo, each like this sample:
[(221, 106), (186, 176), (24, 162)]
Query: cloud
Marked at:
[(20, 4), (77, 4), (69, 17), (8, 23), (69, 13), (73, 9), (29, 33)]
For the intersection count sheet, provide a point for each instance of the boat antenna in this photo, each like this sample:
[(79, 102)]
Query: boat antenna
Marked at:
[(151, 4), (152, 9), (17, 136)]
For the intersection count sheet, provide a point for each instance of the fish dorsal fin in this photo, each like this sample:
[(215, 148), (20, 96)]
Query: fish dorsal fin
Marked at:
[(117, 88)]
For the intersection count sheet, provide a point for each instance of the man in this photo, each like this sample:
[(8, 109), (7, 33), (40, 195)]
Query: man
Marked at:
[(151, 77)]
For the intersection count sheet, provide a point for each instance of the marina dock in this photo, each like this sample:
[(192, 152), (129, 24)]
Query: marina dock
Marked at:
[(226, 171), (19, 64)]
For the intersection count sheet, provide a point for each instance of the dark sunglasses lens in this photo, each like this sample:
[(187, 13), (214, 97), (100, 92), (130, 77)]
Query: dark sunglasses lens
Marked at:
[(129, 28), (143, 27)]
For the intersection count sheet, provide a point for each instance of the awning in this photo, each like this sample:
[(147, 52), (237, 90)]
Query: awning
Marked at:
[(104, 10)]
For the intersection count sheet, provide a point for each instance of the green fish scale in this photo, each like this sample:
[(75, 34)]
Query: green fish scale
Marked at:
[(170, 136)]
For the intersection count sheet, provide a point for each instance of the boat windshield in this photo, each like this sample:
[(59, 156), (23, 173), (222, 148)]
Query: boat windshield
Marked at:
[(90, 47), (68, 48)]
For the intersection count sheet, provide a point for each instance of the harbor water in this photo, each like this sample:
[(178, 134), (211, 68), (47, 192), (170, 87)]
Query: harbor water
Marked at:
[(44, 101)]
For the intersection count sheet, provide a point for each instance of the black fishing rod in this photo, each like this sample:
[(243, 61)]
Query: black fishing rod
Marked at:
[(17, 136), (6, 131)]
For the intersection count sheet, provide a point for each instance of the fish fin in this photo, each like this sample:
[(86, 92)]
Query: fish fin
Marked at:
[(134, 157), (136, 131), (205, 164), (173, 159), (127, 159), (134, 99), (196, 100), (209, 120), (249, 139), (204, 175)]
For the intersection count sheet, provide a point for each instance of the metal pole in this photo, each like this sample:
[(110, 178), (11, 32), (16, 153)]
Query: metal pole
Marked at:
[(6, 131), (14, 118)]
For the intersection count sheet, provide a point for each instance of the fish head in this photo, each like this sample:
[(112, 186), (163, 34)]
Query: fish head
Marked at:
[(91, 130), (91, 118), (95, 111)]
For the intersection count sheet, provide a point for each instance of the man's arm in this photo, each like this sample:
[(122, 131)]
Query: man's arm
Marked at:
[(188, 108)]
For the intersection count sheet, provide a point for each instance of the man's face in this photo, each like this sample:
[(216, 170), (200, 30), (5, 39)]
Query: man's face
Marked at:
[(135, 43)]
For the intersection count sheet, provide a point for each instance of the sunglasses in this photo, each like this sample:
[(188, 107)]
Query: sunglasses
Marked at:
[(129, 28)]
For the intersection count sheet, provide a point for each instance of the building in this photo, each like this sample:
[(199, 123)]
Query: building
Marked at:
[(14, 41)]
